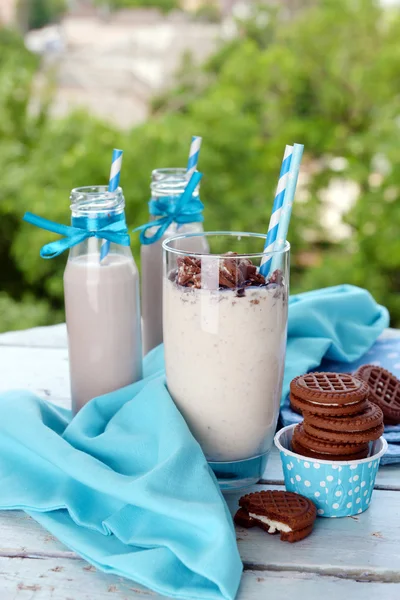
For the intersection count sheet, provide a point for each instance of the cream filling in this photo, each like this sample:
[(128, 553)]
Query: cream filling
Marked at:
[(326, 404), (273, 525)]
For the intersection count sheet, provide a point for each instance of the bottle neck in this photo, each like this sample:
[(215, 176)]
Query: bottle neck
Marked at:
[(94, 208), (167, 186), (96, 202)]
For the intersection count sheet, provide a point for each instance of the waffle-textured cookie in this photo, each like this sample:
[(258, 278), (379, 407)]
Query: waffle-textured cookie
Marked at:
[(298, 448), (332, 410), (384, 391), (329, 388), (332, 447), (277, 511)]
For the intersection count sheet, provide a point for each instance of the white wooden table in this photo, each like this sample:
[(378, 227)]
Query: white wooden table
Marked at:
[(356, 558)]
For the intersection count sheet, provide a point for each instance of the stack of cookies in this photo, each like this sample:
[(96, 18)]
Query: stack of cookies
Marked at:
[(339, 420), (384, 391)]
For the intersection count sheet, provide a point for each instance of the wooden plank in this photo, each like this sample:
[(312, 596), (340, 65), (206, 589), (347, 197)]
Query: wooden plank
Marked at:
[(21, 536), (273, 473), (53, 336), (61, 578), (389, 333), (368, 545), (43, 371), (64, 579), (388, 478)]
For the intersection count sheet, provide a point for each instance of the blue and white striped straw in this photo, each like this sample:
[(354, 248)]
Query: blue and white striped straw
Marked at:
[(276, 211), (287, 204), (193, 156), (113, 184)]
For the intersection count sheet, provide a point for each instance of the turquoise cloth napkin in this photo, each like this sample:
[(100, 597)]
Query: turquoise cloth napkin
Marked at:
[(337, 323), (125, 485)]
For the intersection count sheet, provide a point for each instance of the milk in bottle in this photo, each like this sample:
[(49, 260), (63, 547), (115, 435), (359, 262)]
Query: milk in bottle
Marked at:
[(102, 304)]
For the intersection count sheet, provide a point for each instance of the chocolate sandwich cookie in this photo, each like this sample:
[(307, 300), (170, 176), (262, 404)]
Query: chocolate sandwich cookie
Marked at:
[(384, 391), (345, 437), (369, 418), (329, 388), (298, 448), (290, 514), (361, 428), (329, 410), (332, 447)]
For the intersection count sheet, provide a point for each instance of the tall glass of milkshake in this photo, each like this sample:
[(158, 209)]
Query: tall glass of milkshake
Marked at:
[(225, 340)]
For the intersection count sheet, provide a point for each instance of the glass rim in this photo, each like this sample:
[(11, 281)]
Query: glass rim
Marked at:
[(260, 254), (170, 181), (90, 190), (91, 199), (169, 170)]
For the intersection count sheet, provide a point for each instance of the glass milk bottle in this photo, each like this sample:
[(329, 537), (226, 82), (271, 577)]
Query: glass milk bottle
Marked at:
[(101, 302), (167, 185)]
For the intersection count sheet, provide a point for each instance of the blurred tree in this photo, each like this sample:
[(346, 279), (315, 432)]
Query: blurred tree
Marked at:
[(30, 312), (349, 108), (33, 14), (19, 132), (328, 77)]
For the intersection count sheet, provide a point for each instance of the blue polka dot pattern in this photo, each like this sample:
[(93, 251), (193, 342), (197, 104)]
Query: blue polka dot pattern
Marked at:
[(337, 489)]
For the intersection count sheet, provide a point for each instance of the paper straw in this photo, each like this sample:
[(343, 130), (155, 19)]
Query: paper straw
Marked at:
[(113, 184), (193, 156), (115, 172), (276, 211), (287, 204)]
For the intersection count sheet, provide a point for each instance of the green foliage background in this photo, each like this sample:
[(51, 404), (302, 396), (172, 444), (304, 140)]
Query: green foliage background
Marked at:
[(328, 77)]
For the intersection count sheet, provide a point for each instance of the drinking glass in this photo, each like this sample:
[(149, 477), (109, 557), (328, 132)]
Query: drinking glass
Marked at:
[(225, 340)]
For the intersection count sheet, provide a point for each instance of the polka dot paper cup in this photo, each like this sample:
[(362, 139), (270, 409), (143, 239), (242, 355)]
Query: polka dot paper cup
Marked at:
[(338, 489)]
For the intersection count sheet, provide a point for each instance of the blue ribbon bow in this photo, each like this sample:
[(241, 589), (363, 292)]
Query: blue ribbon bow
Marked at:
[(107, 227), (184, 210)]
